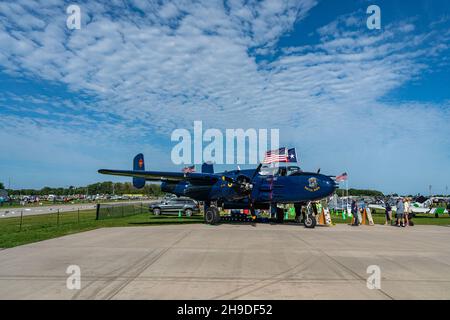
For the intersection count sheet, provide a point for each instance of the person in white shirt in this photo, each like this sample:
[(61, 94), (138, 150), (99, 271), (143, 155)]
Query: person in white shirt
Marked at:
[(407, 210)]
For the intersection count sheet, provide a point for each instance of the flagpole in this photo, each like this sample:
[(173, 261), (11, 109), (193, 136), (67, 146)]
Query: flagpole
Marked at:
[(346, 188)]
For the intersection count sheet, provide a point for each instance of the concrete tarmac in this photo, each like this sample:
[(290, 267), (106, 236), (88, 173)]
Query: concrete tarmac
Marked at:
[(233, 262)]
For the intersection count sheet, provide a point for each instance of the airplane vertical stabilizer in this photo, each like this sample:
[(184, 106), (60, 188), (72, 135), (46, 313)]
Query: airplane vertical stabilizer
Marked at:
[(138, 165)]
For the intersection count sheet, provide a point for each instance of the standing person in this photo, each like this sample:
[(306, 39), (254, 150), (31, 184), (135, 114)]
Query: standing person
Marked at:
[(362, 207), (355, 213), (400, 213), (388, 214), (407, 210)]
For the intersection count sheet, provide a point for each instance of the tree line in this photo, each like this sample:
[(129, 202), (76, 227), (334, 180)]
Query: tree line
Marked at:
[(359, 192), (107, 187), (120, 188)]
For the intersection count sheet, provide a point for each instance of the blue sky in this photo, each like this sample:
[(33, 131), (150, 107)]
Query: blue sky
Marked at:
[(374, 103)]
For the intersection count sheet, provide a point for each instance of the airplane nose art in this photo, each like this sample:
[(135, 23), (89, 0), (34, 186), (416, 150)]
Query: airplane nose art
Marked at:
[(314, 187)]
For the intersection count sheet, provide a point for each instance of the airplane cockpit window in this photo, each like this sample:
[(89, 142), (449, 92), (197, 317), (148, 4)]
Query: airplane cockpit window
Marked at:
[(268, 171), (278, 171), (293, 169)]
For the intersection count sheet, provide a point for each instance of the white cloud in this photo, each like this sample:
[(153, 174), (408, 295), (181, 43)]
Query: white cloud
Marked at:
[(157, 66)]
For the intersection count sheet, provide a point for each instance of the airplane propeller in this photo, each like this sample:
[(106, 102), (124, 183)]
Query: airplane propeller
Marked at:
[(258, 169), (243, 184)]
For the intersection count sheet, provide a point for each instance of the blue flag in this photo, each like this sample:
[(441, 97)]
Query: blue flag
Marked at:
[(292, 156)]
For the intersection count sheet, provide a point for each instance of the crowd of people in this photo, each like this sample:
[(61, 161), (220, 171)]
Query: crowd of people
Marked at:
[(403, 214)]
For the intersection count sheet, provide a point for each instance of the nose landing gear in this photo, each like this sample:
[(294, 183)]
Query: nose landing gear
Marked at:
[(310, 219), (304, 213)]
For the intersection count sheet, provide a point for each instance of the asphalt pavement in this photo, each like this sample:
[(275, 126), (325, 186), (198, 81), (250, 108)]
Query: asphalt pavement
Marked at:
[(233, 262)]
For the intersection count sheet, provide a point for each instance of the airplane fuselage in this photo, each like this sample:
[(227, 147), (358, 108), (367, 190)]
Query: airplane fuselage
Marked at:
[(266, 189)]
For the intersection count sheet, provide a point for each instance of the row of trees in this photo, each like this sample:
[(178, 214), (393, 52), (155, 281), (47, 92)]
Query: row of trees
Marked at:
[(120, 188), (374, 193), (108, 187)]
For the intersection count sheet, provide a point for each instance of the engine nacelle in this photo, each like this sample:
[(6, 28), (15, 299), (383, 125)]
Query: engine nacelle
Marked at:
[(168, 187), (195, 191)]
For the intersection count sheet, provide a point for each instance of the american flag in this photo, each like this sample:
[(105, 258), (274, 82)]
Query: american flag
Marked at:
[(279, 155), (189, 169), (342, 177)]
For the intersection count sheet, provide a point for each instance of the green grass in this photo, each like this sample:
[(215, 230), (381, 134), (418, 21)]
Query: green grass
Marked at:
[(46, 226)]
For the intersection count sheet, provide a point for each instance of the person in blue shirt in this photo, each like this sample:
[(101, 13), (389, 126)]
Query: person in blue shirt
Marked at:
[(400, 213), (388, 214)]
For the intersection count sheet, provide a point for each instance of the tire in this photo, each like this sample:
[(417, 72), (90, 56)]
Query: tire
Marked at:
[(217, 216), (188, 212), (156, 211), (212, 215), (310, 221)]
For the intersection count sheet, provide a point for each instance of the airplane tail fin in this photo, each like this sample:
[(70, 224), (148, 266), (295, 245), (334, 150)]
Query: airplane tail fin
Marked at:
[(138, 165), (207, 167)]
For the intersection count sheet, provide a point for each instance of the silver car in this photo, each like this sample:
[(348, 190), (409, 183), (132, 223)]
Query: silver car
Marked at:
[(184, 206)]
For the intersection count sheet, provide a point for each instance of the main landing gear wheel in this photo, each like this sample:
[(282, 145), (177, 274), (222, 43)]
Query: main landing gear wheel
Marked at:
[(310, 221), (212, 215)]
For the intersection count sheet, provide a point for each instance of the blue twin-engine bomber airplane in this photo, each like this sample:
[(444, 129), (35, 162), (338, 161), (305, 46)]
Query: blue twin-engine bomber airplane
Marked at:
[(260, 188)]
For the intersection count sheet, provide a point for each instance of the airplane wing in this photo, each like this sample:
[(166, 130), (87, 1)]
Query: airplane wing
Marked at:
[(163, 176)]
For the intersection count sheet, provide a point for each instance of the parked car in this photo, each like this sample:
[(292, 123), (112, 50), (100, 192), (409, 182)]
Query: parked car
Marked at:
[(174, 205)]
